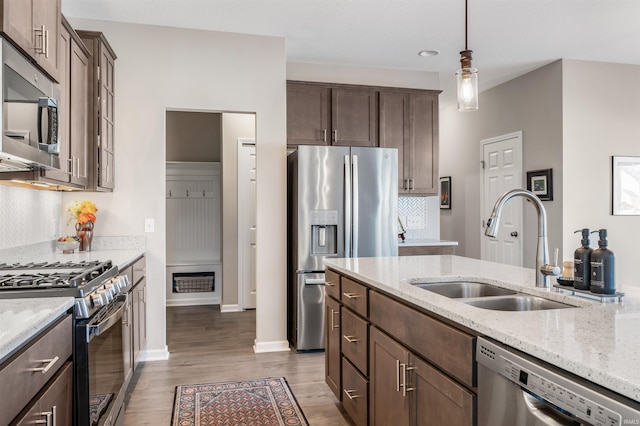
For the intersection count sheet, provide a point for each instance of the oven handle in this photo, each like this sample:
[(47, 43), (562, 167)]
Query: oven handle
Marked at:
[(104, 325)]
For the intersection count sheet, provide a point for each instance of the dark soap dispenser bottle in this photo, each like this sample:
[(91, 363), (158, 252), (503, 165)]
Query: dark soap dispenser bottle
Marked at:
[(603, 267), (582, 262)]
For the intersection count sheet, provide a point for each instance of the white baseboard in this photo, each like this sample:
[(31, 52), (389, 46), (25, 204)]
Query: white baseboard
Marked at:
[(192, 302), (230, 308), (275, 346), (155, 354)]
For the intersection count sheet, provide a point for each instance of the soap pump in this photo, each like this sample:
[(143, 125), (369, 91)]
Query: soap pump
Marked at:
[(582, 262), (603, 267)]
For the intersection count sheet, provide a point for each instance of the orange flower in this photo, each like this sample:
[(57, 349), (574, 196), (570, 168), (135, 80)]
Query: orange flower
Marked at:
[(82, 212), (86, 217)]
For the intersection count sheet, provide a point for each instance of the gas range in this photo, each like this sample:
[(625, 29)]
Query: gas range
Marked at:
[(93, 284)]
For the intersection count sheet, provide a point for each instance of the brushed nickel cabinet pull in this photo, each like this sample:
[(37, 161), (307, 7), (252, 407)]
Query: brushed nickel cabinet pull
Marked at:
[(397, 375), (405, 184), (335, 135), (324, 135), (46, 42), (405, 387), (350, 339), (330, 284), (411, 188), (350, 393), (333, 325), (351, 295), (46, 368)]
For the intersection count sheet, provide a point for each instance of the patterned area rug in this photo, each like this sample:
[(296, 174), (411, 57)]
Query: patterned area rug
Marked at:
[(262, 402)]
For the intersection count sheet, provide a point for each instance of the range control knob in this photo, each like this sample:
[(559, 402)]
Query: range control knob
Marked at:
[(98, 298)]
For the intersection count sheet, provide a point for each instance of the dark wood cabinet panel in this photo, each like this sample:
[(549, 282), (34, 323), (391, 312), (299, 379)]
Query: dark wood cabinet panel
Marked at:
[(54, 404), (454, 351), (355, 296), (356, 393), (387, 405), (437, 400), (409, 122), (333, 337), (354, 117), (139, 307), (355, 340), (332, 284), (308, 114), (101, 95), (424, 250)]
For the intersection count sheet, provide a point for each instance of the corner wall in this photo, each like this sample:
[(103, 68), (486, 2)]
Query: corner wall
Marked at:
[(160, 69), (531, 103)]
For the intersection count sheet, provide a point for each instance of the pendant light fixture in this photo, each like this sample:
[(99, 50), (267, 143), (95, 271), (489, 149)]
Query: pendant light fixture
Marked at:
[(467, 76)]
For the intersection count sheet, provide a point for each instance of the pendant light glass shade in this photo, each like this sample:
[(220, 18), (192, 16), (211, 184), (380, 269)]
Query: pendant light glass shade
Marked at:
[(467, 89)]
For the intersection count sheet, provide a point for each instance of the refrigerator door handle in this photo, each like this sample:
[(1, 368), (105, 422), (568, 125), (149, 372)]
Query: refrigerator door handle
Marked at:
[(347, 206), (355, 205)]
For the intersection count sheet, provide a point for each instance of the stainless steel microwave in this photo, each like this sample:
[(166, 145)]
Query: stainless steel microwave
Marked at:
[(29, 118)]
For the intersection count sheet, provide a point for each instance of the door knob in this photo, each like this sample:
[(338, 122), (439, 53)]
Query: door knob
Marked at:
[(514, 234)]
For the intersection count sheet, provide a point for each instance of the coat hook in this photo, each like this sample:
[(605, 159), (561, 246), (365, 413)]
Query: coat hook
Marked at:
[(169, 193), (187, 192), (203, 193)]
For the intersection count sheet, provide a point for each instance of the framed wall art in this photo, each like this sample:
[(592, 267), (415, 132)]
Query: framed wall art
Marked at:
[(626, 186), (540, 182), (445, 192)]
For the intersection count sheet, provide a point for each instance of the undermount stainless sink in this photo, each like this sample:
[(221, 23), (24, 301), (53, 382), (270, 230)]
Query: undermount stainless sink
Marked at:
[(517, 303), (464, 289)]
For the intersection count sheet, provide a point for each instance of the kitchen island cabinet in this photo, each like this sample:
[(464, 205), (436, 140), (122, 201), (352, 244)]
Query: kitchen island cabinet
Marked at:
[(400, 365), (137, 318), (574, 339)]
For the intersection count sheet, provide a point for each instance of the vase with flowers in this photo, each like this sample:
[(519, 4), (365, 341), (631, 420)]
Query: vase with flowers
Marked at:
[(84, 215)]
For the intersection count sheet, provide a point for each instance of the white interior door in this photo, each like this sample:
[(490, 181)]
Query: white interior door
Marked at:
[(502, 172), (247, 221)]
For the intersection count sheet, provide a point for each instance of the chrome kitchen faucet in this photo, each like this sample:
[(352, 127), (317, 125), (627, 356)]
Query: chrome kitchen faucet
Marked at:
[(543, 268)]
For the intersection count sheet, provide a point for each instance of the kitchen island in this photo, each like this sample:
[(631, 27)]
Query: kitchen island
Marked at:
[(596, 341), (422, 246)]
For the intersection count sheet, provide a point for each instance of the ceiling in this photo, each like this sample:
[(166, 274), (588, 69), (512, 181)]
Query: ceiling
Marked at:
[(508, 37)]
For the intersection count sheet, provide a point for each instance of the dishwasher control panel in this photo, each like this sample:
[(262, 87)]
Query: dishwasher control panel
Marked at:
[(570, 395)]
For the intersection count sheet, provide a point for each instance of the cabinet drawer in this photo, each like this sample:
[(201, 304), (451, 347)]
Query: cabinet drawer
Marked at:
[(27, 372), (355, 296), (139, 269), (332, 284), (355, 393), (355, 339), (54, 402), (454, 352)]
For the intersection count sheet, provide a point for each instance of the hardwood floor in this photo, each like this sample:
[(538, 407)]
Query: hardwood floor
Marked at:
[(206, 346)]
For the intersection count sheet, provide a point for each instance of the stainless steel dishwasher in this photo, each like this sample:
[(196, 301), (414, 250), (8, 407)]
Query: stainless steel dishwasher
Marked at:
[(515, 389)]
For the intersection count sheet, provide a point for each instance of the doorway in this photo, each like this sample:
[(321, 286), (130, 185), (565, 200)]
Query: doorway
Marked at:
[(502, 172)]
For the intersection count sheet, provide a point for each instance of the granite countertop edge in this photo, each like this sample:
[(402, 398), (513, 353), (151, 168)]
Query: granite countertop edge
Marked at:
[(596, 341)]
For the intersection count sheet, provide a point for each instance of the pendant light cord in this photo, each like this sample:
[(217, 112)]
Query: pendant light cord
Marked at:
[(465, 26)]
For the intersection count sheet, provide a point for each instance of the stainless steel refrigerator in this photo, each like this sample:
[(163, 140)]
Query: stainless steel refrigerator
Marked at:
[(342, 202)]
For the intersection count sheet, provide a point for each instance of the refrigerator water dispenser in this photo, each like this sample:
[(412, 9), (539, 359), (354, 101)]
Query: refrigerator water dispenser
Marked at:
[(324, 232)]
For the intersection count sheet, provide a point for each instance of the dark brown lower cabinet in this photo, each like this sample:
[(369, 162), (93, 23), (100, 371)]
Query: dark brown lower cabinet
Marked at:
[(356, 393), (405, 390), (54, 405), (333, 363)]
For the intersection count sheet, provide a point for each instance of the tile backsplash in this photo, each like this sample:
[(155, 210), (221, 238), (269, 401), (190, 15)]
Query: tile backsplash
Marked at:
[(28, 216), (420, 216)]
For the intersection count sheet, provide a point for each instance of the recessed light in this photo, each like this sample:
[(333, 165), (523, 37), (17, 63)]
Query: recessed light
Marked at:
[(428, 52)]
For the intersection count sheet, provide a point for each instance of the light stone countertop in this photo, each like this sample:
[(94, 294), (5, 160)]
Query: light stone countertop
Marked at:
[(597, 341), (21, 319), (426, 242)]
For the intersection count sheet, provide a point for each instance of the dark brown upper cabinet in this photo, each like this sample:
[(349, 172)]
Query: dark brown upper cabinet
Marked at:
[(409, 122), (324, 114)]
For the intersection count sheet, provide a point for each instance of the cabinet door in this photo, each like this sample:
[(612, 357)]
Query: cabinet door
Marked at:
[(46, 15), (106, 131), (307, 114), (333, 368), (394, 132), (127, 325), (55, 404), (423, 150), (79, 116), (17, 23), (388, 404), (354, 117), (435, 399), (139, 321)]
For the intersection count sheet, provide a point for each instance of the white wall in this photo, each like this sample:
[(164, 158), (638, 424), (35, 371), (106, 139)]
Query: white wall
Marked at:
[(531, 104), (160, 69), (601, 113)]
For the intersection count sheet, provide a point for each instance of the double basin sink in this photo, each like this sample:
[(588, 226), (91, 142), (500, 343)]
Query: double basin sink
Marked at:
[(487, 296)]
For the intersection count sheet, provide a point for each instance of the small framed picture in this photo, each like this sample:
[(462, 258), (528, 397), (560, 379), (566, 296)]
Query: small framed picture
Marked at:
[(626, 186), (540, 182), (445, 192)]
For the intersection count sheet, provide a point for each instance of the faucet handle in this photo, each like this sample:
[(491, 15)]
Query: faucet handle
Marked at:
[(552, 269)]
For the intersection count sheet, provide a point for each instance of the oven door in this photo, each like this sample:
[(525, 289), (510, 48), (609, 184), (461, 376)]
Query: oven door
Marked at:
[(101, 363)]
